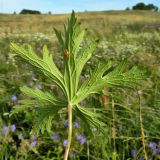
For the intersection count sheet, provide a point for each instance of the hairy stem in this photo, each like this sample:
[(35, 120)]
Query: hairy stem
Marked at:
[(142, 129), (113, 126), (114, 155), (69, 107)]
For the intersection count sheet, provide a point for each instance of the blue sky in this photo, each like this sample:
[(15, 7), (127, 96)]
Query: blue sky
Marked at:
[(65, 6)]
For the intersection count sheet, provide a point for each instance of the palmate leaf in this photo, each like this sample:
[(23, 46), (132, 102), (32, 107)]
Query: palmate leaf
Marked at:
[(90, 119), (120, 78), (72, 37), (45, 64), (70, 42), (43, 97), (44, 114), (104, 75), (83, 57), (24, 105), (94, 83), (44, 118), (45, 105)]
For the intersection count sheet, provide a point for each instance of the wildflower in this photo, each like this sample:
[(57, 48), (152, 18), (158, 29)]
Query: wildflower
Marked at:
[(13, 127), (34, 137), (133, 153), (152, 145), (66, 124), (4, 130), (65, 142), (20, 136), (155, 151), (56, 137), (81, 139), (38, 86), (33, 78), (34, 143), (14, 98), (77, 124)]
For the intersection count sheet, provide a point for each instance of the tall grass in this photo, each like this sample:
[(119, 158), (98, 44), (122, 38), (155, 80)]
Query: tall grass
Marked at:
[(122, 35)]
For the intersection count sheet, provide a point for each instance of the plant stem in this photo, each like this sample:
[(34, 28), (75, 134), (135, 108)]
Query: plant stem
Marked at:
[(69, 107), (114, 155), (142, 129)]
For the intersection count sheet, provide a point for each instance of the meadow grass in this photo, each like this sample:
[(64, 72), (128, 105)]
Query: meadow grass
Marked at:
[(45, 23), (123, 34)]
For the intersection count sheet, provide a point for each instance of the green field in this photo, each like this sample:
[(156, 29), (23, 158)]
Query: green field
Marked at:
[(133, 115)]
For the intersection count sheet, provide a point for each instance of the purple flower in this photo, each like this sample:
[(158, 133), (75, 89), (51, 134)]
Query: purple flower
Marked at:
[(34, 137), (155, 151), (13, 127), (77, 124), (133, 153), (150, 159), (33, 144), (65, 142), (38, 86), (66, 124), (56, 137), (14, 98), (81, 139), (152, 145), (20, 136), (5, 129), (140, 158), (33, 78)]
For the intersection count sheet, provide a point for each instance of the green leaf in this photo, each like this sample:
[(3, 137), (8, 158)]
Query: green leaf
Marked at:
[(23, 106), (81, 60), (103, 77), (46, 65), (90, 118), (38, 98), (70, 42), (43, 97), (94, 83), (43, 120), (120, 78)]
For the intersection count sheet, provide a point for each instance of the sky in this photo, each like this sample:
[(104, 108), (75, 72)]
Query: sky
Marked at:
[(66, 6)]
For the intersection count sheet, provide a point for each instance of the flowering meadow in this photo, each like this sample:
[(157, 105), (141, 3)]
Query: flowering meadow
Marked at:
[(131, 115)]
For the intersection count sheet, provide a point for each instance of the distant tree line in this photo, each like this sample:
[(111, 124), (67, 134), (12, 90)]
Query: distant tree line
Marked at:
[(143, 6), (28, 11)]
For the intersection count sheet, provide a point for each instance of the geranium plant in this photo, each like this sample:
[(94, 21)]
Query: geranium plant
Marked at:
[(74, 58)]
